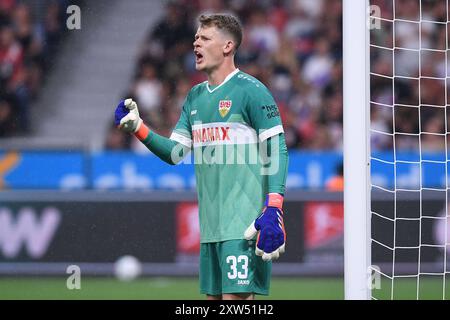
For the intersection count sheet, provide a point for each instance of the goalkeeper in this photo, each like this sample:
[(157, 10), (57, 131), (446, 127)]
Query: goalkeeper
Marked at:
[(226, 121)]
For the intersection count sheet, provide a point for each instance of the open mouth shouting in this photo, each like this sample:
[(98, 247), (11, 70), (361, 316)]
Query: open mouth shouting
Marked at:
[(198, 57)]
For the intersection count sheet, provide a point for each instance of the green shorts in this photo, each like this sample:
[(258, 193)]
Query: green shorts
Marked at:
[(233, 267)]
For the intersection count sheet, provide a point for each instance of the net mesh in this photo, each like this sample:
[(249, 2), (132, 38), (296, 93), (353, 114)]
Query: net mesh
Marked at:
[(409, 79)]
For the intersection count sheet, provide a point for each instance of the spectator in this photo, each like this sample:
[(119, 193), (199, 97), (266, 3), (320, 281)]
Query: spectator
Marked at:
[(263, 36), (317, 69), (434, 139), (7, 123), (148, 89)]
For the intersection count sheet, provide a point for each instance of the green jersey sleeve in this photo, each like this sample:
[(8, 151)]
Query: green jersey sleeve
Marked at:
[(182, 133), (280, 160), (263, 113)]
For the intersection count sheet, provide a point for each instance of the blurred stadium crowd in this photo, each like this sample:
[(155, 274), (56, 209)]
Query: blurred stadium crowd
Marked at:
[(420, 72), (30, 32), (294, 47)]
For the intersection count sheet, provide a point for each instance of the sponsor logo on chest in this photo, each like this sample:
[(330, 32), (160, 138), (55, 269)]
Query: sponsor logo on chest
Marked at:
[(217, 133), (211, 134), (224, 107)]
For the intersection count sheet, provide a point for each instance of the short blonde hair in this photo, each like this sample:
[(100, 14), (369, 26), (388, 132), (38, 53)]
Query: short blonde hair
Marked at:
[(226, 22)]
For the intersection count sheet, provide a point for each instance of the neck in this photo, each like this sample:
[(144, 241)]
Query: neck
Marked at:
[(218, 75)]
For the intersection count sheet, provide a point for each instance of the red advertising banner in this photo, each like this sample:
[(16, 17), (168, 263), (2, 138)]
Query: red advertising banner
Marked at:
[(188, 228), (324, 223)]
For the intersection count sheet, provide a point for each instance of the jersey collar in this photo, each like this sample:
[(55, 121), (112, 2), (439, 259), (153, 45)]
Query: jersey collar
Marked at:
[(224, 81)]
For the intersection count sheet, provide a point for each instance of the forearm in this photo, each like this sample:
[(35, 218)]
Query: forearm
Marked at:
[(166, 149), (279, 161), (271, 239)]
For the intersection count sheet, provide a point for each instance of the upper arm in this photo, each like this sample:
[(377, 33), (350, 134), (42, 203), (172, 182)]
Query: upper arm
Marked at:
[(182, 133), (263, 113)]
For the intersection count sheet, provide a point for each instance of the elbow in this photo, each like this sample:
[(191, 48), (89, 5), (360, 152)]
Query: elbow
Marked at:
[(177, 154), (173, 161), (170, 161)]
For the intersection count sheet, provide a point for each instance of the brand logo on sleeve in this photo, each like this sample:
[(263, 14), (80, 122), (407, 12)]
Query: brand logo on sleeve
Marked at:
[(271, 111), (224, 107)]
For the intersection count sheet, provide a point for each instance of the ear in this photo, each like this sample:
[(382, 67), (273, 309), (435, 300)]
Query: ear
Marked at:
[(228, 48)]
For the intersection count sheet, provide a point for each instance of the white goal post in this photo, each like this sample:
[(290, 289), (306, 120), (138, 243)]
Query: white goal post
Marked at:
[(357, 253), (396, 155)]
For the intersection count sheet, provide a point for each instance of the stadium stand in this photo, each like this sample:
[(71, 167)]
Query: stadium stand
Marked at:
[(284, 45), (30, 35), (294, 47)]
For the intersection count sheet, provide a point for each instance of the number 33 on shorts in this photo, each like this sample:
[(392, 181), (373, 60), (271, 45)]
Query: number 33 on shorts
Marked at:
[(234, 262)]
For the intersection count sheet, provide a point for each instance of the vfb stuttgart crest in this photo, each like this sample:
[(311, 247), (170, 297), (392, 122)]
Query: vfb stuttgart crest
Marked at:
[(224, 107)]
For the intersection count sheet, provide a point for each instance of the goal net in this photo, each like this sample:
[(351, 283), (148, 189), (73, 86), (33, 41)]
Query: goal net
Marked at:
[(408, 130), (406, 103)]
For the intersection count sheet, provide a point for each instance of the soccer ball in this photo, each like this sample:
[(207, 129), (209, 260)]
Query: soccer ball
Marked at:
[(127, 268)]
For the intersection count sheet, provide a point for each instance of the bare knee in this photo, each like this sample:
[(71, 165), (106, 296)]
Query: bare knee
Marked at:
[(238, 296)]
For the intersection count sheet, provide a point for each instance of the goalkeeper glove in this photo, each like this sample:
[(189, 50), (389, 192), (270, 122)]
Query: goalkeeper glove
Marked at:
[(127, 116), (128, 120), (272, 236)]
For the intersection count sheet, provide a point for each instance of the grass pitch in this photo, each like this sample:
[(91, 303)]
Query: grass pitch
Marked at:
[(157, 288), (46, 288)]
